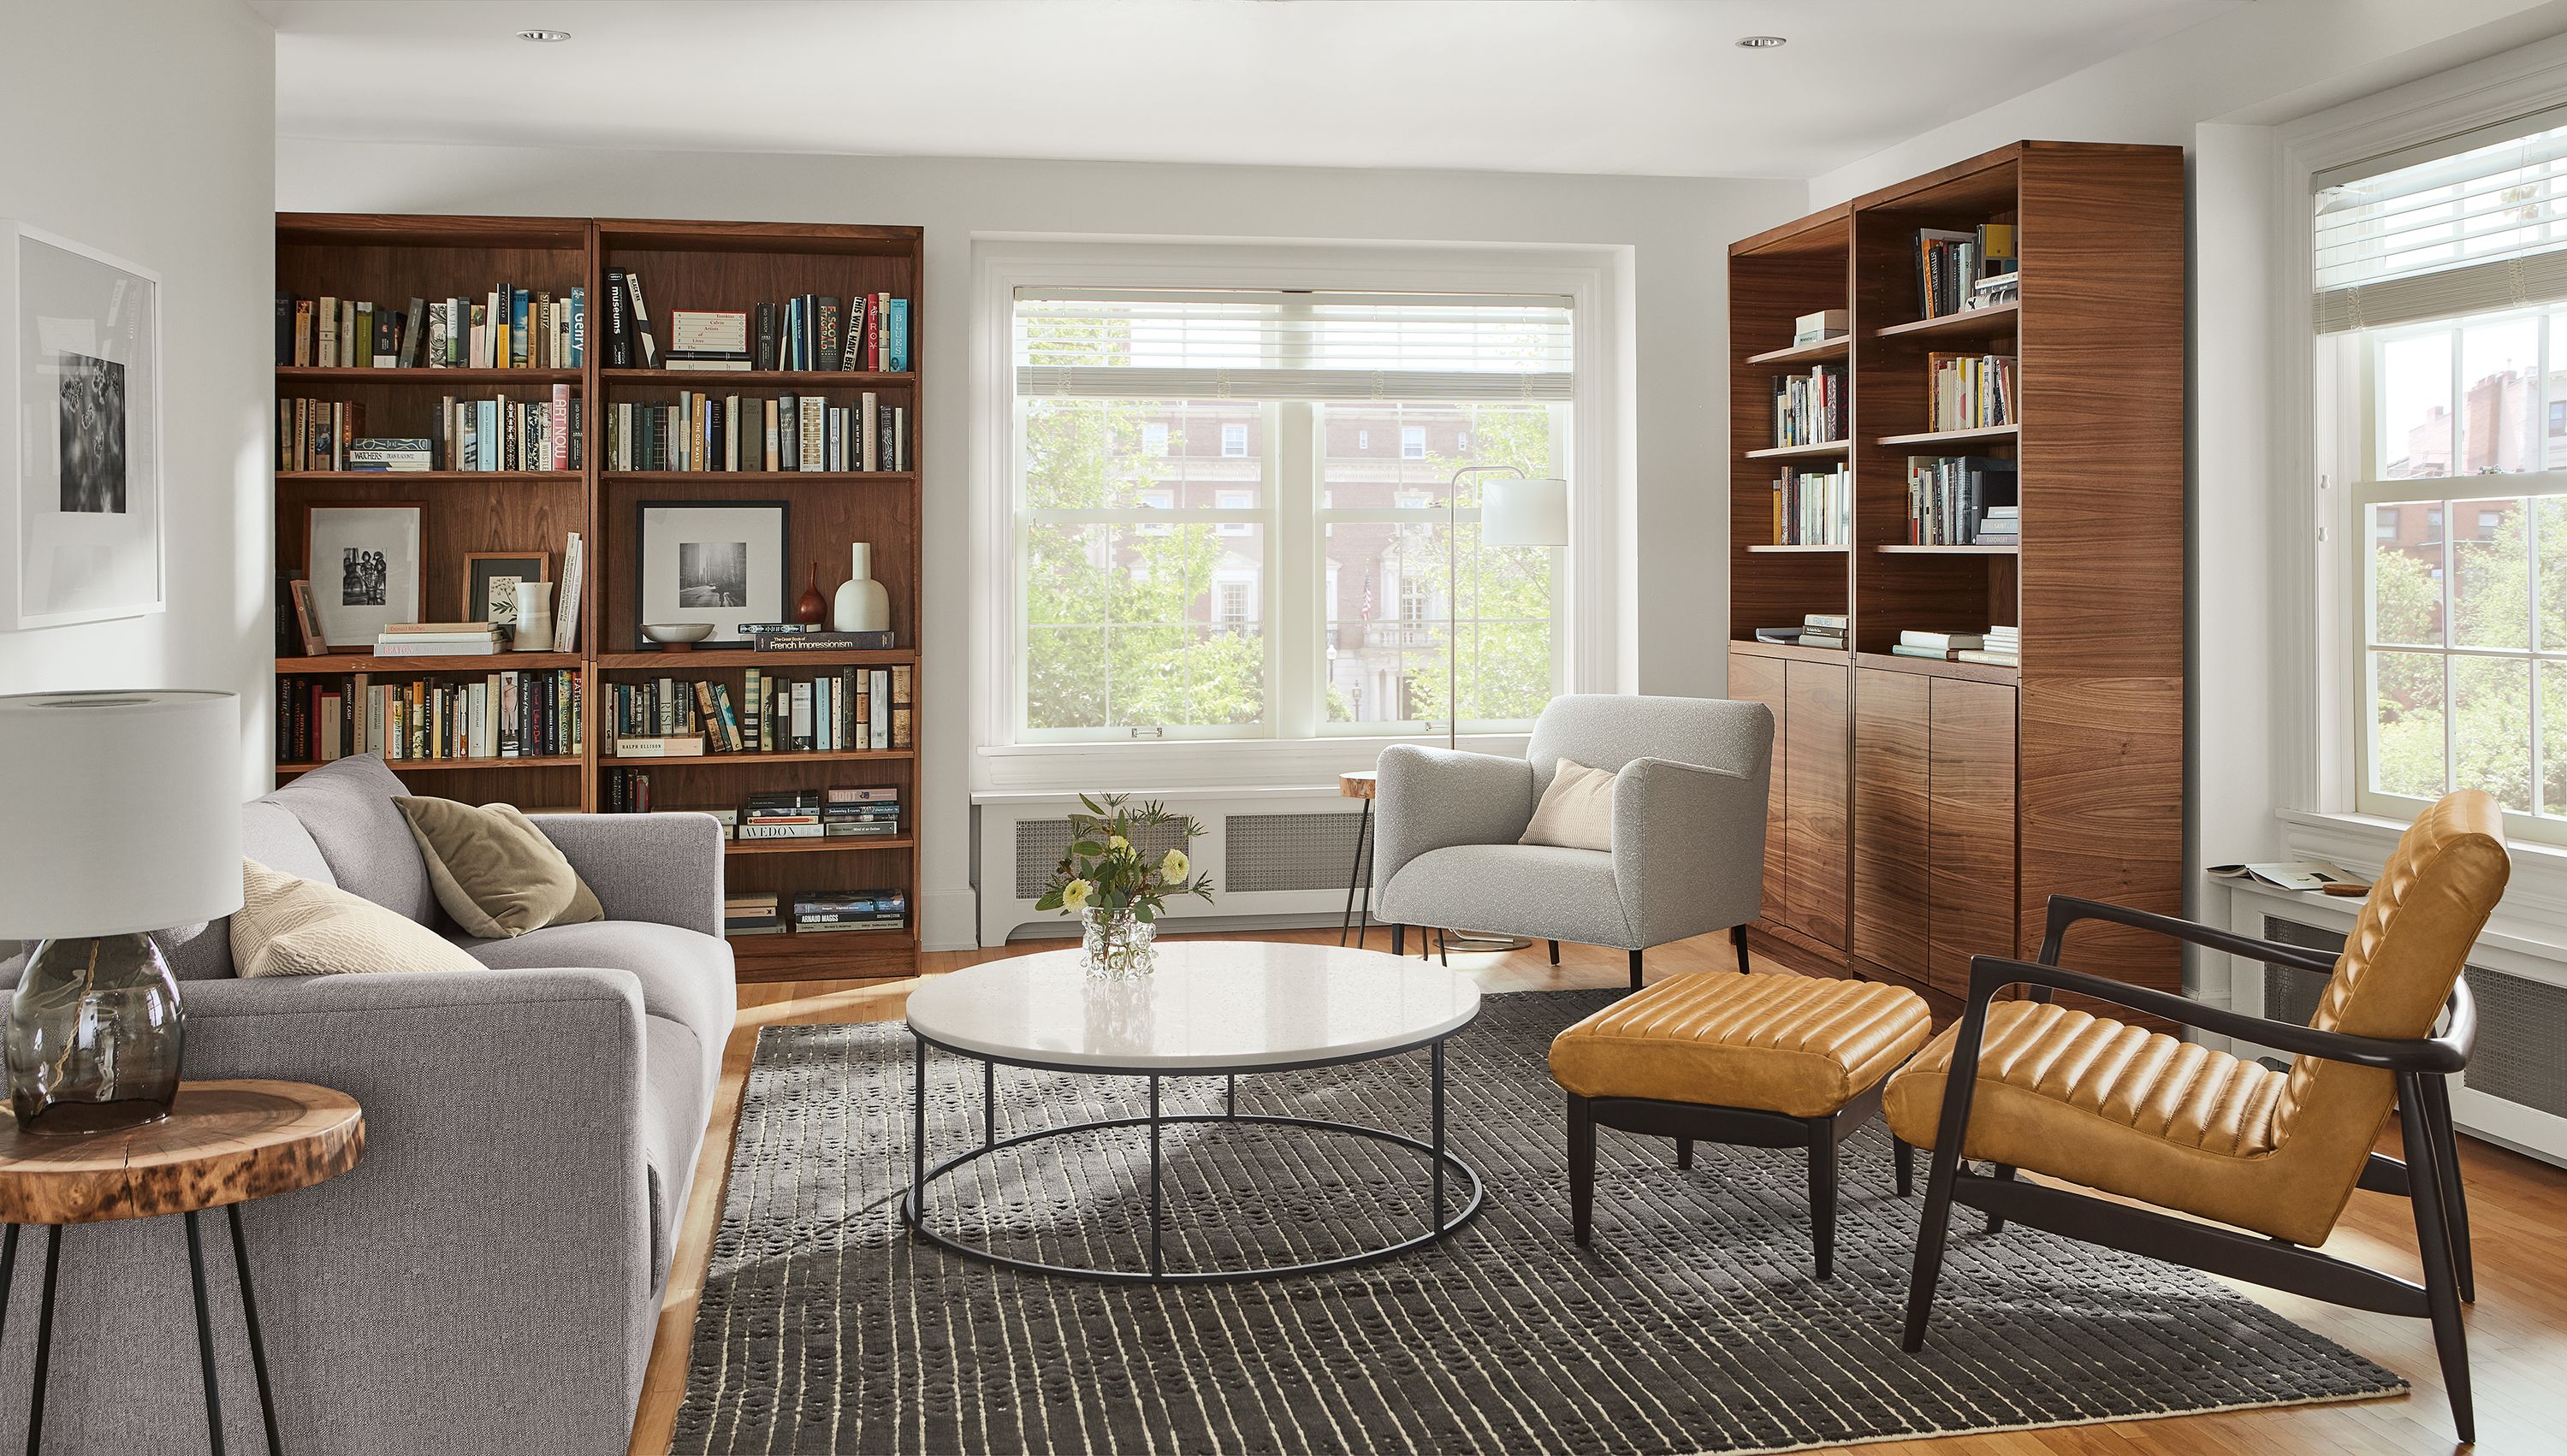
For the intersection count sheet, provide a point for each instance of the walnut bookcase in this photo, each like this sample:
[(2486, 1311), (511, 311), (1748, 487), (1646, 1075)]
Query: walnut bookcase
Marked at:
[(1926, 810), (683, 265)]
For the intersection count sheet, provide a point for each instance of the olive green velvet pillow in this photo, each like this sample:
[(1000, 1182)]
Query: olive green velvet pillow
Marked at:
[(493, 870)]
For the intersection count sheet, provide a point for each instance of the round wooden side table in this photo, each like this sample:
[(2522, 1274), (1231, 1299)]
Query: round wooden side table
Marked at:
[(222, 1144), (1358, 786)]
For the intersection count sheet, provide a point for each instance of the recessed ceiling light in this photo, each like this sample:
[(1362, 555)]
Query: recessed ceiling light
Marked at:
[(1761, 43), (563, 35)]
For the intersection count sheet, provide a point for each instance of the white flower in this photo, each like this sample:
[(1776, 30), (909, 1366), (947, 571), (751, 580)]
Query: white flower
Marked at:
[(1073, 895), (1117, 843), (1174, 867)]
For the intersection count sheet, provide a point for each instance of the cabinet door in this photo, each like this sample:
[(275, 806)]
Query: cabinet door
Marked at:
[(1891, 818), (1970, 827), (1815, 842), (1757, 678)]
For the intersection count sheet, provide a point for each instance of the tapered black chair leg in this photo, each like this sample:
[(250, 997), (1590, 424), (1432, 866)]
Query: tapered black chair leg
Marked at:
[(1737, 938), (1685, 1152), (1635, 970), (1823, 1194), (2455, 1197), (2434, 1241), (1443, 950), (1554, 952), (1903, 1162), (1582, 1167), (1399, 940), (1932, 1230), (2003, 1173)]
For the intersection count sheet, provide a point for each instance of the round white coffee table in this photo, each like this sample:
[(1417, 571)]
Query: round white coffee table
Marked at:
[(1221, 1008)]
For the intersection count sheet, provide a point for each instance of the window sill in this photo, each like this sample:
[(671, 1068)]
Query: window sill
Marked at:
[(1197, 766), (2532, 917)]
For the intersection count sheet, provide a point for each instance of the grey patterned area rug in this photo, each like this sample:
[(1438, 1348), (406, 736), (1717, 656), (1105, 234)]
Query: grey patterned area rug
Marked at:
[(1692, 1325)]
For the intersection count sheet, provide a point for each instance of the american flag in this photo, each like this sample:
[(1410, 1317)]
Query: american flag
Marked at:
[(1368, 601)]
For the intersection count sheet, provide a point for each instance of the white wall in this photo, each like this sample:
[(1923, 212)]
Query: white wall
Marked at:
[(1677, 229), (145, 128)]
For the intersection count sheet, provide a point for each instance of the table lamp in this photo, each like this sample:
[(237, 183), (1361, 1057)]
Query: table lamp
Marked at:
[(119, 814)]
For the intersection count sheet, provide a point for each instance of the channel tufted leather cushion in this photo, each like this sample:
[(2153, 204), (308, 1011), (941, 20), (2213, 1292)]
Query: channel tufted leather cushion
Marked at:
[(1799, 1045)]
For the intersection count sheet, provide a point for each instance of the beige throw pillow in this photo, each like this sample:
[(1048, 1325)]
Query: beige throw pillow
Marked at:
[(1577, 811), (494, 871), (288, 926)]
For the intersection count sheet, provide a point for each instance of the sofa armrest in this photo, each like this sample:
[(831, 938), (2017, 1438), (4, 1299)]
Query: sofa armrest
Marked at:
[(666, 868), (1433, 798), (1688, 847)]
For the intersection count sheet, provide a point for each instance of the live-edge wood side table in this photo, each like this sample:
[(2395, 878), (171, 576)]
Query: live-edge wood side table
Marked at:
[(222, 1144), (1358, 786)]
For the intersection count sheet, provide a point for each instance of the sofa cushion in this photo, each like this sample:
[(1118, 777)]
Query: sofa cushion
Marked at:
[(685, 976), (295, 927), (347, 808), (1536, 890), (675, 1105), (493, 870)]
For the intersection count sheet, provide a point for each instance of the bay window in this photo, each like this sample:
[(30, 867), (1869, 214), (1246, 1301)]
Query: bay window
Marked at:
[(1208, 545)]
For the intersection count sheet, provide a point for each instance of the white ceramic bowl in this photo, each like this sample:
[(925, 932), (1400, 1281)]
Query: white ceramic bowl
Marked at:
[(670, 633)]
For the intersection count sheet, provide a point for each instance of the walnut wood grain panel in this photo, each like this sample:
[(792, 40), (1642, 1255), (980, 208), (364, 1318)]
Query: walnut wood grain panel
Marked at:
[(1755, 678), (1817, 838), (223, 1142), (1767, 293), (1891, 851), (1970, 828)]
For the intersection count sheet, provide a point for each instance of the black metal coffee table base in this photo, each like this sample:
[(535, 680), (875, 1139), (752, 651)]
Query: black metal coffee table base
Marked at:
[(913, 1204)]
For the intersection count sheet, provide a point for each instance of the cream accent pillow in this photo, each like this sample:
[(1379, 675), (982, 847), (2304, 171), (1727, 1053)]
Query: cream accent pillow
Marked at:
[(288, 926), (493, 870), (1577, 811)]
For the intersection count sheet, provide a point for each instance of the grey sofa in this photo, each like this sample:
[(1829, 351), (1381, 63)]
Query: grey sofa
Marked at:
[(489, 1280), (1688, 854)]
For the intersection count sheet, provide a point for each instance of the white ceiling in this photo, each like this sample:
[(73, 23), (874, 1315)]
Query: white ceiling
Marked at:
[(1642, 87)]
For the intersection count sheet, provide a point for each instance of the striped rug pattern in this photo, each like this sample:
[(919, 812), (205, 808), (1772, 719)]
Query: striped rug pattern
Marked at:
[(1693, 1324)]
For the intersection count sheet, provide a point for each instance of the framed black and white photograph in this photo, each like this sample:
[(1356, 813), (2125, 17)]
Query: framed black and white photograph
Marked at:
[(718, 562), (364, 563), (80, 424), (490, 582)]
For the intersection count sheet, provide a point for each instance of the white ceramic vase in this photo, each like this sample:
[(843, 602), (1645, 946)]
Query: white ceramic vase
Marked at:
[(862, 604), (534, 617)]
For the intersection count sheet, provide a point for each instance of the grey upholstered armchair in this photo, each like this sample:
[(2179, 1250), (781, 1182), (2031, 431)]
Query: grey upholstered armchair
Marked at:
[(1688, 854)]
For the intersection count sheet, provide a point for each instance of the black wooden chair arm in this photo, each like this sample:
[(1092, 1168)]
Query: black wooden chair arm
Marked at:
[(2067, 910)]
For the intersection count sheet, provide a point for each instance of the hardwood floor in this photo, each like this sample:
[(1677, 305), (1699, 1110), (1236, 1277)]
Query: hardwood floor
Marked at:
[(2518, 1207)]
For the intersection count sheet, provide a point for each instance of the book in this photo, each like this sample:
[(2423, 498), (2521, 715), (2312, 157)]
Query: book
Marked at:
[(1990, 659), (1941, 641), (686, 745), (1938, 653), (782, 829), (2305, 875), (1784, 635), (436, 629), (307, 619), (705, 333), (1827, 323), (398, 647), (1827, 621)]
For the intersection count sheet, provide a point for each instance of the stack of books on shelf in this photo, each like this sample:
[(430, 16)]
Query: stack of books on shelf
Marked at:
[(868, 333), (506, 328), (724, 432), (753, 912), (1970, 390), (1819, 327), (1997, 646), (508, 715), (784, 813), (1950, 265), (1809, 409), (861, 813), (1813, 507), (1818, 629), (822, 911), (2000, 526), (441, 638), (510, 434), (1951, 496), (851, 709)]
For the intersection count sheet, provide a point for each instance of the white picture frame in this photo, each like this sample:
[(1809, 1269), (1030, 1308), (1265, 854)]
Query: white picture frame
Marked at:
[(363, 560), (81, 530), (737, 546)]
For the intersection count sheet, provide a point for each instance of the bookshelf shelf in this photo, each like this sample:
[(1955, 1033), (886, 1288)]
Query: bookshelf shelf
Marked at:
[(1825, 349), (816, 846), (1936, 439), (1905, 550), (1795, 451), (1975, 323), (684, 266), (1926, 666), (1779, 551)]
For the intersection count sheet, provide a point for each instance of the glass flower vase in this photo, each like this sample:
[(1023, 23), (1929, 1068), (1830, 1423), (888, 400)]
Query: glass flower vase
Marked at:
[(94, 1037), (1116, 945)]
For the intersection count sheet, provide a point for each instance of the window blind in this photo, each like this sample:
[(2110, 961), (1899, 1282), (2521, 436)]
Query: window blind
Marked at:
[(1195, 344), (2473, 223)]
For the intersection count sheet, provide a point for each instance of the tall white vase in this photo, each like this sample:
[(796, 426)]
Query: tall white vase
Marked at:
[(534, 617), (862, 604)]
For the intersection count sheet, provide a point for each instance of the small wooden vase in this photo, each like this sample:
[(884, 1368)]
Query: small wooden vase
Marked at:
[(813, 608)]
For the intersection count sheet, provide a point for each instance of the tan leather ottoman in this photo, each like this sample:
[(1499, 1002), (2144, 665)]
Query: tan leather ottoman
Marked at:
[(1772, 1061)]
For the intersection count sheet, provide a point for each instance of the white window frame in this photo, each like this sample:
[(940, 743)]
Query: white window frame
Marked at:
[(1412, 442), (1234, 436), (1234, 499), (1594, 616)]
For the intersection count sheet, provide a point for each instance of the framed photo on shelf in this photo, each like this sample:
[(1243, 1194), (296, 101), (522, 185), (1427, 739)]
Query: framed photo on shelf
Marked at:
[(363, 561), (490, 582), (81, 536), (720, 562)]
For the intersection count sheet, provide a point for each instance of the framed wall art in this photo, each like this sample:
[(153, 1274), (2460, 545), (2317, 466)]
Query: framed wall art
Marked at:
[(79, 434), (490, 582), (720, 562), (364, 565)]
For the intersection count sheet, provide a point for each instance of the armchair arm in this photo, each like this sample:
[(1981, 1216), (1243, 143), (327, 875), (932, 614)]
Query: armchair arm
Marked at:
[(666, 868), (1433, 798), (1688, 847), (2067, 910)]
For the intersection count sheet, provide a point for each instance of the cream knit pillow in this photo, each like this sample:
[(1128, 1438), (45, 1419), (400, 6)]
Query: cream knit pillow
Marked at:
[(1577, 811), (295, 927)]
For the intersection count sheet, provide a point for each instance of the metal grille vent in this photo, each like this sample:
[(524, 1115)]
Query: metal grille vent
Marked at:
[(1265, 853), (2289, 993), (1041, 842)]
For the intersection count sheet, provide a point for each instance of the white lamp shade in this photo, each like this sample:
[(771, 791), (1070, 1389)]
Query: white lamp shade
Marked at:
[(1525, 513), (119, 812)]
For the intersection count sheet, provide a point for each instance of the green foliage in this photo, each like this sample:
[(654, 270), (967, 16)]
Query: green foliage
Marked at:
[(1503, 600), (1104, 868)]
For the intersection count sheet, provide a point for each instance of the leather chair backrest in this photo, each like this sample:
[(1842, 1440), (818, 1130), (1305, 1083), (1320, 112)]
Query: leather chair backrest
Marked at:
[(2409, 945), (1608, 730)]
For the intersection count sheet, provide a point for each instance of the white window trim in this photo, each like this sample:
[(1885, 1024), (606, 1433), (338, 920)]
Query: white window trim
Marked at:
[(1591, 277), (2315, 591)]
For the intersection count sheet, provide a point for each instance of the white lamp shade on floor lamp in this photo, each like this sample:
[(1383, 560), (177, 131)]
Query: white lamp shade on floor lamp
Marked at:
[(1520, 512), (119, 812)]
